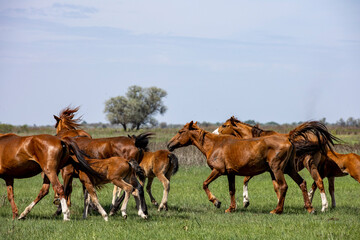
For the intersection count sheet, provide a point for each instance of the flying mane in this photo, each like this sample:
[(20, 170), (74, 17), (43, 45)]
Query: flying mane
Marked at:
[(67, 116)]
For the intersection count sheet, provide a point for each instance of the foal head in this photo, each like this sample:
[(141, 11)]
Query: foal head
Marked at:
[(183, 137)]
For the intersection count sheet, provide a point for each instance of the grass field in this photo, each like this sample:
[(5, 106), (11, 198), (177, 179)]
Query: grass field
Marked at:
[(191, 215)]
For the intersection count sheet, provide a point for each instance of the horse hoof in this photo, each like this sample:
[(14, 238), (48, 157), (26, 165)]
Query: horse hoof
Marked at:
[(246, 204), (217, 204), (275, 212), (111, 213), (230, 210), (56, 201), (125, 217), (155, 203)]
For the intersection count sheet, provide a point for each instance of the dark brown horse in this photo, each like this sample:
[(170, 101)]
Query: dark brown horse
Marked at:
[(161, 164), (24, 157), (228, 155), (308, 159), (122, 173), (338, 165), (131, 147)]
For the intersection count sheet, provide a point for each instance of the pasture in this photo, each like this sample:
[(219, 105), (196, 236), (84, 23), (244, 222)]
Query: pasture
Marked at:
[(191, 215)]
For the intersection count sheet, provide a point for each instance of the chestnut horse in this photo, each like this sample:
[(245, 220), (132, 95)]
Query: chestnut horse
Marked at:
[(161, 164), (338, 165), (121, 173), (131, 147), (310, 160), (24, 157), (228, 155)]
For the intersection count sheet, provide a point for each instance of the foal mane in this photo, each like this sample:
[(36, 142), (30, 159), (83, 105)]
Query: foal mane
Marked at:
[(67, 116)]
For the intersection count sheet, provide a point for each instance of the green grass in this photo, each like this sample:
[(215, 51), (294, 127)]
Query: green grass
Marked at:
[(190, 215)]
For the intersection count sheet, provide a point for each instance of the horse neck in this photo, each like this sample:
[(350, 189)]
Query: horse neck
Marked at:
[(204, 141), (243, 131)]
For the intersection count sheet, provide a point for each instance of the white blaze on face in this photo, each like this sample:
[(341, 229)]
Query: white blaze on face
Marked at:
[(216, 131)]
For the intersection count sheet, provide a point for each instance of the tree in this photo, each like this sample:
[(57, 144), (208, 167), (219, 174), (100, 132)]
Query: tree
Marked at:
[(137, 108)]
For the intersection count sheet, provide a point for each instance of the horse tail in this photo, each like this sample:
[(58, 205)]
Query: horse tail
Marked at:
[(140, 173), (174, 162), (300, 137), (81, 162)]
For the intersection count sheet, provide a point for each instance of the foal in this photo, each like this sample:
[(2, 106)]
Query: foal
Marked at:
[(161, 164), (121, 173)]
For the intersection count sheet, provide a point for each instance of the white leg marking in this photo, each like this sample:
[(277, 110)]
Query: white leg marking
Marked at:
[(27, 210), (245, 195), (311, 194), (324, 202), (65, 209)]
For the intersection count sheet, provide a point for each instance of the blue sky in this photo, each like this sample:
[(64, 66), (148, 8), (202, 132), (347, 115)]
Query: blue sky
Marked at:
[(283, 61)]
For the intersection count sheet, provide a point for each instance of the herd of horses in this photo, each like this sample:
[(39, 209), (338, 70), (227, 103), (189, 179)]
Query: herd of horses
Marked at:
[(235, 148)]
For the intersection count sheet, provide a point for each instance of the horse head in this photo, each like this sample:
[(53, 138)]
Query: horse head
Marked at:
[(183, 137)]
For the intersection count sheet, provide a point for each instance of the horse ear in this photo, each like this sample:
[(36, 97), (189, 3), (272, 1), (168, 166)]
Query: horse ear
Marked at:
[(57, 118), (191, 124)]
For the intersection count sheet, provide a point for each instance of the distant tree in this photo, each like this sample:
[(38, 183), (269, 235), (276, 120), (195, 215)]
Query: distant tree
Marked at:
[(341, 122), (250, 122), (137, 108)]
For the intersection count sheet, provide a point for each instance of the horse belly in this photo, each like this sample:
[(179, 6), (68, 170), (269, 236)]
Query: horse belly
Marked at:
[(26, 169)]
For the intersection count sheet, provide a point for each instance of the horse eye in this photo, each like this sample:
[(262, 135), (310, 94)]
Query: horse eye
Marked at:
[(223, 125)]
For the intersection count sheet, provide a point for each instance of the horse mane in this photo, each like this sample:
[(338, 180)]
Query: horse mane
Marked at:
[(255, 130), (67, 116)]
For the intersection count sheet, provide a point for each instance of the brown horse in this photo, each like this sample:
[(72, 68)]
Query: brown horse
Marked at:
[(310, 160), (131, 147), (338, 165), (161, 164), (121, 173), (228, 155), (24, 157)]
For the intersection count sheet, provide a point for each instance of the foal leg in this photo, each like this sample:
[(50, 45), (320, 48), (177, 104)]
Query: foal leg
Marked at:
[(116, 194), (43, 192), (91, 191), (246, 201), (231, 180), (312, 191), (213, 175), (127, 189), (317, 178), (10, 194), (148, 189), (166, 184), (331, 181)]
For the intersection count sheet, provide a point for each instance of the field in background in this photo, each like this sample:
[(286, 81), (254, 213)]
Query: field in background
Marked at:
[(191, 215)]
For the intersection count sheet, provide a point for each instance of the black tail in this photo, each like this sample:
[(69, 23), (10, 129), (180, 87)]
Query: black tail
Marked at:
[(140, 173), (300, 137), (175, 162), (82, 163)]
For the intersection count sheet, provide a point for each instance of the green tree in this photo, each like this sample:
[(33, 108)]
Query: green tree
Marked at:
[(137, 108)]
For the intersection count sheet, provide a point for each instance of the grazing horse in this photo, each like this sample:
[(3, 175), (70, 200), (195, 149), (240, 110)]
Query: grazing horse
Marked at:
[(338, 165), (131, 147), (310, 160), (121, 173), (161, 164), (228, 155), (24, 157)]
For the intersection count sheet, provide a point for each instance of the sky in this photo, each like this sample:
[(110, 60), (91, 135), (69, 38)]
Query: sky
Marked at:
[(282, 61)]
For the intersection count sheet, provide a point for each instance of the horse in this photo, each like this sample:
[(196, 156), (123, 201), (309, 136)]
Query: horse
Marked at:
[(228, 155), (130, 147), (161, 164), (310, 160), (24, 157), (338, 165), (121, 173)]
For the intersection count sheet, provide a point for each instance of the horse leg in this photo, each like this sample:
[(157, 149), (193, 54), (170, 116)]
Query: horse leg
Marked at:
[(246, 201), (275, 184), (148, 190), (86, 204), (213, 175), (43, 192), (116, 194), (166, 184), (231, 180), (67, 180), (331, 181), (317, 178), (10, 193), (282, 188), (302, 185), (127, 189), (312, 191)]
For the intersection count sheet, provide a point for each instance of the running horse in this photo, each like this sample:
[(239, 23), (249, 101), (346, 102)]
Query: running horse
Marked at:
[(228, 155), (131, 147), (24, 157), (161, 164), (310, 160)]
